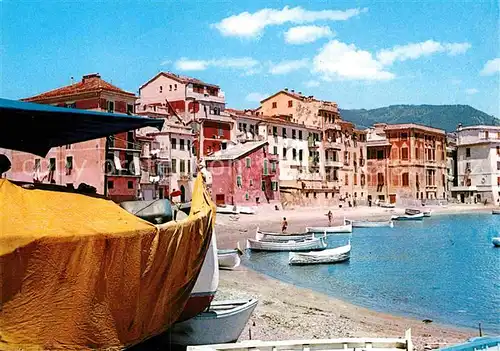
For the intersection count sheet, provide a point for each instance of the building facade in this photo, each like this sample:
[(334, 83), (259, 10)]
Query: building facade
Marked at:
[(244, 174), (478, 164), (111, 165)]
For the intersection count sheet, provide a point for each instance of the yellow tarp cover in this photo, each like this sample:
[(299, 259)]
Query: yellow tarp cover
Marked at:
[(78, 272)]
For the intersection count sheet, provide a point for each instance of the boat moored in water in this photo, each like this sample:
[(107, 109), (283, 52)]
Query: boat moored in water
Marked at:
[(495, 212), (338, 254), (291, 245), (496, 241), (371, 224), (411, 211), (415, 217), (346, 228)]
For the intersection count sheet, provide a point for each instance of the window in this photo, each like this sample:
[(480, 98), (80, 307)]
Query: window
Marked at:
[(111, 106), (467, 152), (130, 184), (404, 135), (248, 162), (346, 179), (274, 186), (251, 182), (275, 131), (220, 132), (181, 144), (130, 109), (444, 180), (170, 88), (355, 179), (300, 155), (498, 181), (174, 165), (188, 144), (273, 167), (189, 166), (263, 185), (300, 135), (283, 132), (498, 165), (294, 132), (238, 181), (68, 146), (275, 150), (175, 86), (380, 154), (37, 164), (110, 184), (223, 145), (69, 164), (290, 103), (275, 104), (161, 89), (406, 179), (294, 154), (498, 150), (404, 153), (52, 164), (174, 143), (246, 196), (284, 153), (182, 166), (265, 167)]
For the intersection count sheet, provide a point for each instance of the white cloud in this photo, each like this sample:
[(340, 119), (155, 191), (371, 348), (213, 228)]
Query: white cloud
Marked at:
[(285, 67), (337, 60), (416, 50), (252, 25), (491, 67), (256, 97), (471, 91), (166, 62), (185, 64), (312, 83), (307, 34)]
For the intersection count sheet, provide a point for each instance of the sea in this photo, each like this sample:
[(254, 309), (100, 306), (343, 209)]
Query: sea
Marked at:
[(443, 268)]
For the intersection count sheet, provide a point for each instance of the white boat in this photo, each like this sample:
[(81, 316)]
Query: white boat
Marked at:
[(338, 254), (411, 211), (229, 259), (374, 344), (222, 323), (427, 213), (386, 205), (495, 212), (371, 224), (274, 236), (415, 217), (496, 241), (227, 209), (346, 228), (292, 245), (245, 209)]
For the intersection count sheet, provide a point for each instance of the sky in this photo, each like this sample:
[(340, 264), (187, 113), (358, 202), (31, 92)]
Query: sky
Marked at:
[(360, 54)]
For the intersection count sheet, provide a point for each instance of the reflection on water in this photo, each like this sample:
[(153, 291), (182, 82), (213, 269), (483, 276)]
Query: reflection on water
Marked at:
[(443, 268)]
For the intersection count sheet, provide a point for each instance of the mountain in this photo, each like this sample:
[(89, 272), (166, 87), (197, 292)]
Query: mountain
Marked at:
[(445, 117)]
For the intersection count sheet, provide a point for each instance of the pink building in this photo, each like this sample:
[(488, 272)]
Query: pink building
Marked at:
[(244, 174)]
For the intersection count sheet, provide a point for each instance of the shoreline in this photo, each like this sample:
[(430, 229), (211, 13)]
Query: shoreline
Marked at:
[(286, 311)]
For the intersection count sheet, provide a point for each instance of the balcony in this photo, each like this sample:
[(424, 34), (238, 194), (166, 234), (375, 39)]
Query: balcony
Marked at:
[(184, 177), (333, 163), (313, 144), (190, 94), (328, 145), (130, 146), (313, 162)]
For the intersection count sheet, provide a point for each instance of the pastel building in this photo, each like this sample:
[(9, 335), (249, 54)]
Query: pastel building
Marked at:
[(111, 165), (478, 164), (244, 174)]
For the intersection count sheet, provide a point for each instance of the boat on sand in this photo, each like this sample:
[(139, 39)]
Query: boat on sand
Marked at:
[(292, 245), (275, 236), (229, 259), (338, 254), (495, 212)]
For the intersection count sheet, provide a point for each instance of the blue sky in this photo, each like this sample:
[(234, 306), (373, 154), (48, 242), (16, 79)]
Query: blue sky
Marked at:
[(360, 54)]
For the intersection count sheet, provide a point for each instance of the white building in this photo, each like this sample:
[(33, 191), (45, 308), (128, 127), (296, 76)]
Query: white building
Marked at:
[(478, 164)]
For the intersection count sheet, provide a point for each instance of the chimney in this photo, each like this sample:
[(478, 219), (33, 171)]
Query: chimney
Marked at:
[(293, 91), (90, 76), (72, 79), (300, 93), (286, 89)]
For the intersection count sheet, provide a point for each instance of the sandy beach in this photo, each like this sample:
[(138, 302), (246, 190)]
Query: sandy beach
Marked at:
[(286, 311)]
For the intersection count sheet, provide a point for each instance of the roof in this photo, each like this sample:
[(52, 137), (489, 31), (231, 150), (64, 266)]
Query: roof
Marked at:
[(481, 126), (36, 128), (415, 126), (271, 120), (89, 83), (236, 151), (180, 79), (291, 94)]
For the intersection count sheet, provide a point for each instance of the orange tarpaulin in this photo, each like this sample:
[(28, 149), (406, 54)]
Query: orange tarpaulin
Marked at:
[(78, 272)]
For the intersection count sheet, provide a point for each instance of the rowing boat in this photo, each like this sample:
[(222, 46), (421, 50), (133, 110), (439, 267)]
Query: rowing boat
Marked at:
[(415, 217), (496, 241), (371, 224), (338, 254), (274, 236), (346, 228), (292, 245)]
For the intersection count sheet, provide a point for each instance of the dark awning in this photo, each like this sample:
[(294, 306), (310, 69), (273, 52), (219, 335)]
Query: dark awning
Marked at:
[(36, 128)]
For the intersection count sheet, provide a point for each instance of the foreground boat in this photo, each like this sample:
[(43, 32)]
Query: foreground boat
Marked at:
[(496, 241), (292, 245), (229, 259), (427, 213), (411, 211), (222, 323), (415, 217), (495, 212), (227, 209), (274, 236), (245, 210), (346, 228), (338, 254), (381, 344), (371, 224)]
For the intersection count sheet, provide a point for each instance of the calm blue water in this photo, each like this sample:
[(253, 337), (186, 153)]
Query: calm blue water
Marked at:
[(443, 268)]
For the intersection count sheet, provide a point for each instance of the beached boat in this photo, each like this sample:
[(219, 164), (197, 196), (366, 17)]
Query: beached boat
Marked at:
[(374, 344), (415, 217), (338, 254), (275, 236), (245, 210), (222, 323), (292, 245), (386, 205), (229, 259), (427, 213), (371, 224), (346, 228), (411, 211), (495, 212), (227, 209), (496, 241)]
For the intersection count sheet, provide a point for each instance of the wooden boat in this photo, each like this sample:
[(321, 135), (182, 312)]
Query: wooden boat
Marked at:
[(338, 254), (415, 217), (227, 209), (275, 236), (496, 241), (386, 205), (374, 344), (245, 210), (495, 212), (346, 228), (411, 211), (222, 323), (486, 343), (229, 259), (292, 245), (427, 213), (371, 224)]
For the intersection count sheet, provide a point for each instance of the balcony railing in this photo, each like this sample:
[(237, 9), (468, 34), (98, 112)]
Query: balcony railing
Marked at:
[(205, 96), (333, 163), (313, 144), (331, 126), (185, 176), (332, 145)]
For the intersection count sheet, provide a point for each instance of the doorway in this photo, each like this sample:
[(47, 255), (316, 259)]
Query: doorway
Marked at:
[(183, 194), (220, 199), (392, 198)]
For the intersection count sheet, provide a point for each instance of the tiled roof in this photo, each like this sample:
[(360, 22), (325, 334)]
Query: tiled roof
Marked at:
[(89, 83), (415, 126), (236, 151), (291, 94), (268, 119), (180, 79)]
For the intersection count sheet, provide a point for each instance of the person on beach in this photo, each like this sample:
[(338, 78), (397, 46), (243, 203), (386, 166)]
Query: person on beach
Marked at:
[(330, 216), (284, 225)]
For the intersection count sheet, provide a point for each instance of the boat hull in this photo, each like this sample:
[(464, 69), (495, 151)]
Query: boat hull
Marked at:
[(495, 212), (416, 217), (271, 236), (368, 224), (347, 228), (228, 260), (306, 245), (496, 242), (222, 323), (339, 254)]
